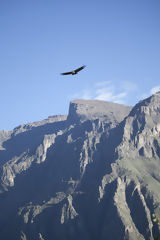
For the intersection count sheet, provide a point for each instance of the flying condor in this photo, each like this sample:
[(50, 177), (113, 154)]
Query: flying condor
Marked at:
[(74, 71)]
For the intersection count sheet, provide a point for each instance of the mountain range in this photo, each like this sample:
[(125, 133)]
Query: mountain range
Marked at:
[(93, 174)]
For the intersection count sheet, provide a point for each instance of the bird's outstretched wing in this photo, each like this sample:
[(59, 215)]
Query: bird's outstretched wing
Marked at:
[(79, 69), (66, 73), (74, 71)]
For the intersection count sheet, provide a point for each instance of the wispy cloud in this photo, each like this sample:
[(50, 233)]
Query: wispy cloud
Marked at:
[(125, 93), (107, 91), (155, 89), (108, 94)]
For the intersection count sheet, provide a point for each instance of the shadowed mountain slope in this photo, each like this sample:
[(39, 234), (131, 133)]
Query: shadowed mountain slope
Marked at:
[(93, 174)]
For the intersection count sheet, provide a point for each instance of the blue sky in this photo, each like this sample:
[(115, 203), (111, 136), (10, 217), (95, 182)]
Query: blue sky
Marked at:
[(118, 40)]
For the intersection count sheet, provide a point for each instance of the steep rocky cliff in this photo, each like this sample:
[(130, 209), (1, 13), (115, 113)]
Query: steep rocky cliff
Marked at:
[(94, 174)]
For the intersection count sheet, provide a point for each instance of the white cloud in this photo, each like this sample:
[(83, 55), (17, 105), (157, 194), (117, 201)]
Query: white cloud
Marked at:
[(155, 89), (151, 92), (107, 94), (106, 91), (143, 96), (124, 93)]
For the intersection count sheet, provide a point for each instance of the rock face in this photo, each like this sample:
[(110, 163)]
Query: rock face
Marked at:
[(94, 174), (81, 110)]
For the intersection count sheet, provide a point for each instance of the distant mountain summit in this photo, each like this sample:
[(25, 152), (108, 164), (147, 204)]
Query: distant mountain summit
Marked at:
[(94, 174), (95, 109)]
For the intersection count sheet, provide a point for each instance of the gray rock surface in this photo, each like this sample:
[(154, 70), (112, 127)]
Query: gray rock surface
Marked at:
[(81, 110), (94, 174)]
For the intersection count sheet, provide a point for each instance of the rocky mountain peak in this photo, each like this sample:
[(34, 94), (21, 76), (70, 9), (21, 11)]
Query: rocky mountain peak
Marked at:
[(143, 120), (81, 110), (148, 106)]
